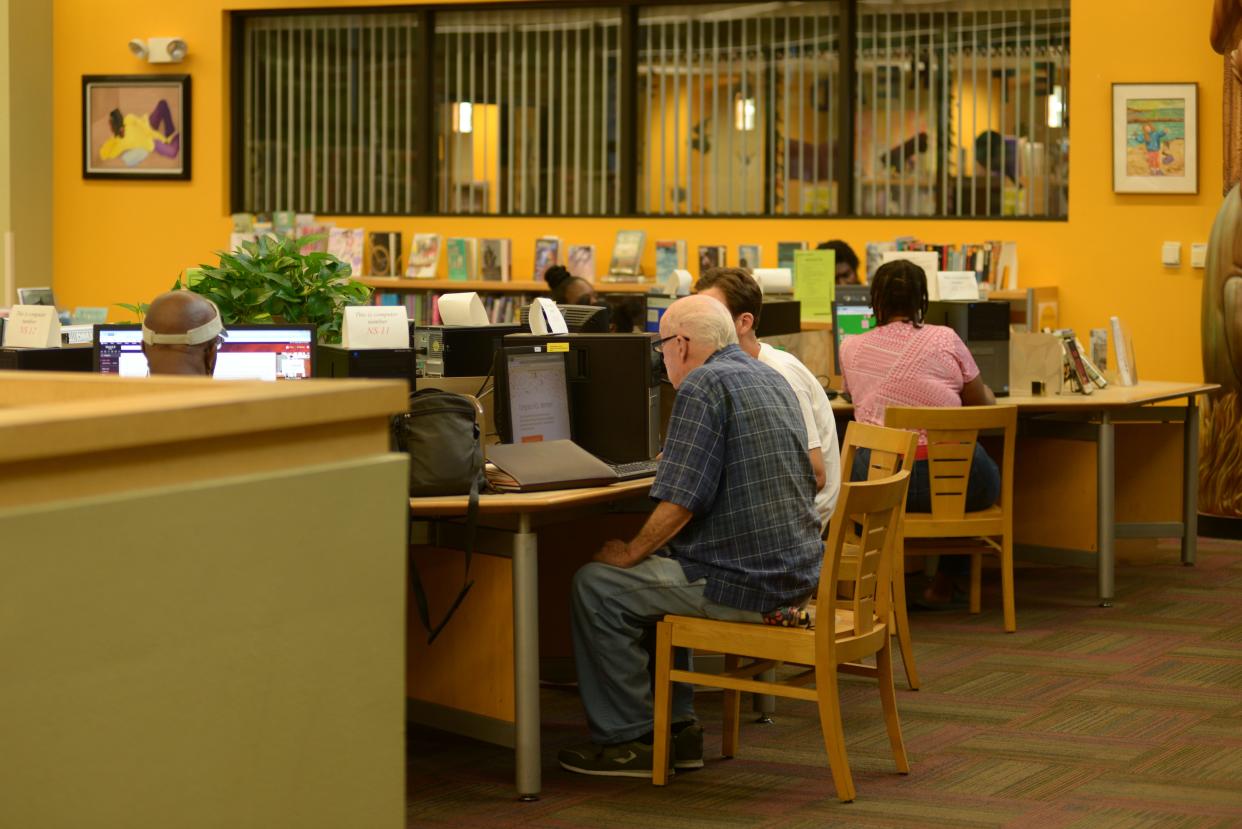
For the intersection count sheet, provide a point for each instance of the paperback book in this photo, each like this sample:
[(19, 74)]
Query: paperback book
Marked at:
[(627, 253), (461, 258), (785, 253), (424, 259), (581, 261), (547, 254), (748, 256), (385, 253), (712, 256), (345, 243), (670, 256), (494, 256)]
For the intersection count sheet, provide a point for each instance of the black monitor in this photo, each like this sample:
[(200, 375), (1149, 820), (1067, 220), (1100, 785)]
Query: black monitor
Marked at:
[(853, 294), (532, 395), (247, 352), (848, 319), (614, 391), (579, 319)]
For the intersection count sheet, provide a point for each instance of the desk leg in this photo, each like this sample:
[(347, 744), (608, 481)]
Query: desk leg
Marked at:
[(1190, 483), (1106, 519), (526, 661)]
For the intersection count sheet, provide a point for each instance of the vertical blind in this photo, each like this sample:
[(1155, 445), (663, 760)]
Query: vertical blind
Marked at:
[(738, 109), (528, 111), (328, 118), (962, 108)]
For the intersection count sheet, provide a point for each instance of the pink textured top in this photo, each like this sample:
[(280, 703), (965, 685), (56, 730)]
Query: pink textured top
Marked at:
[(900, 365)]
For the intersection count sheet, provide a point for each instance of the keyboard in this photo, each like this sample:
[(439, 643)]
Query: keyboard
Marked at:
[(634, 469)]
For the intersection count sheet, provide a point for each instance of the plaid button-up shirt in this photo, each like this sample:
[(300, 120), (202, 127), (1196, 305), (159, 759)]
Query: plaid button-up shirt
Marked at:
[(735, 456)]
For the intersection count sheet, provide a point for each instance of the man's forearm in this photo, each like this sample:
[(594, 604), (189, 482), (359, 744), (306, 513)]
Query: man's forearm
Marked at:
[(665, 522)]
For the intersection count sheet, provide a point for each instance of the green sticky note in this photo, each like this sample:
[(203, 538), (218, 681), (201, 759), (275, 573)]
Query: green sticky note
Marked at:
[(815, 283)]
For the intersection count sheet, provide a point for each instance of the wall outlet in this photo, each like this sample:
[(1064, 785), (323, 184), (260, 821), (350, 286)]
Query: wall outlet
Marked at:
[(1198, 254)]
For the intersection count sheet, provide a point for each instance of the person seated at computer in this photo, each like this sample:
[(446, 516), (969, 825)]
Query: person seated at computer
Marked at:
[(568, 289), (738, 291), (847, 261), (734, 535), (906, 362), (180, 334)]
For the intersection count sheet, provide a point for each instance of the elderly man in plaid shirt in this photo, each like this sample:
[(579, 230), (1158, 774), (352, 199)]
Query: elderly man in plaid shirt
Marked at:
[(733, 536)]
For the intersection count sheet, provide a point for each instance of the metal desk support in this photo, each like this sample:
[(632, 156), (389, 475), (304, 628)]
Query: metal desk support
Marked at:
[(1106, 523), (526, 659), (1190, 482)]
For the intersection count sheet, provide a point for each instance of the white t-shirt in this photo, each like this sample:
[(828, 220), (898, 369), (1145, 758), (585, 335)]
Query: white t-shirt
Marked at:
[(821, 426)]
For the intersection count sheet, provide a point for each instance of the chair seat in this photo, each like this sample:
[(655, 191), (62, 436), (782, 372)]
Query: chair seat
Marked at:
[(796, 645), (990, 521)]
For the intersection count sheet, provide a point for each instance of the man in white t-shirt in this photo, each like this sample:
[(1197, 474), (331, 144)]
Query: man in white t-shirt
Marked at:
[(739, 292)]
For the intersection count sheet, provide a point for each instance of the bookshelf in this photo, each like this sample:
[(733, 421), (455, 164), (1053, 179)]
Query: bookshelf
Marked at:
[(491, 286)]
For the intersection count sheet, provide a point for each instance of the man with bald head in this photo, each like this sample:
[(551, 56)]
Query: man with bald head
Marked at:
[(180, 334), (734, 535)]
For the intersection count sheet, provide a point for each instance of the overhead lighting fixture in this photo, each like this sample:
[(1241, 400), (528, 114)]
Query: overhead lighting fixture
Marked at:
[(1056, 108), (463, 117), (743, 113)]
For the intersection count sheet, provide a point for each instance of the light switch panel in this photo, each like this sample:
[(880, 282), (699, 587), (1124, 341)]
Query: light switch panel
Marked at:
[(1171, 254), (1198, 254)]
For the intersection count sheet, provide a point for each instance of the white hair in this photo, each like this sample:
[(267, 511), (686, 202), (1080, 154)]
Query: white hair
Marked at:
[(707, 322)]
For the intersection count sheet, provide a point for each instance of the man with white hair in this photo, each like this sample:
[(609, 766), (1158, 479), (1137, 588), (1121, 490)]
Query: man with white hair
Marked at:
[(734, 535)]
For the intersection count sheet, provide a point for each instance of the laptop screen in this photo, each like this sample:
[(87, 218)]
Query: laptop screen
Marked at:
[(849, 319), (258, 352), (538, 396)]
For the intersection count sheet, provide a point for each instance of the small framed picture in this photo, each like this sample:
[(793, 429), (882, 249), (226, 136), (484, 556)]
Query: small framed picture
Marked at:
[(136, 126), (1155, 138)]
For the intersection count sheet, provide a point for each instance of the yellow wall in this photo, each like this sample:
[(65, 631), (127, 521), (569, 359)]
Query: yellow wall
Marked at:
[(122, 241)]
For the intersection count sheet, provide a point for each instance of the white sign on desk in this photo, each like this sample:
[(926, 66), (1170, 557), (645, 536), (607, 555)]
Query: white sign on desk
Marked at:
[(32, 326), (958, 285), (375, 326)]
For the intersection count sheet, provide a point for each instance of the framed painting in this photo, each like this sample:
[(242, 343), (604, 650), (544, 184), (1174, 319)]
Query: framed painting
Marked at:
[(136, 126), (1155, 138)]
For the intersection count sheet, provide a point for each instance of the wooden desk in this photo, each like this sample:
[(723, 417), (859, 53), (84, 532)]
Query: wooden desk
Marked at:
[(1092, 418), (508, 528)]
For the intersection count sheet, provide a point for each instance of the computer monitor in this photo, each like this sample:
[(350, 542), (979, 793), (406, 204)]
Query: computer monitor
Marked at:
[(849, 319), (248, 352), (579, 319), (532, 395)]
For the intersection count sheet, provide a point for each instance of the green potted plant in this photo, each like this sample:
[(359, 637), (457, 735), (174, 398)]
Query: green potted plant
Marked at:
[(270, 280)]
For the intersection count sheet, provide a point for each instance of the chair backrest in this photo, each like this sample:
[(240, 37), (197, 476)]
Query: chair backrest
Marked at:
[(876, 507), (952, 433), (890, 449)]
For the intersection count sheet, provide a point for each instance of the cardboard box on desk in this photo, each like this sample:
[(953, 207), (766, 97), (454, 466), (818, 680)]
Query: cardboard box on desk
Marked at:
[(1034, 358)]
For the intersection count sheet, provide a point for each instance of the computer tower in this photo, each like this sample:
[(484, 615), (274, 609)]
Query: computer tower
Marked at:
[(67, 358), (614, 392), (458, 350), (779, 316), (984, 327), (376, 363)]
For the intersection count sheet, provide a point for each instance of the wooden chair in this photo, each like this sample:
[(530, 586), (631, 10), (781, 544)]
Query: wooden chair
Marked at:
[(951, 437), (840, 638), (891, 450)]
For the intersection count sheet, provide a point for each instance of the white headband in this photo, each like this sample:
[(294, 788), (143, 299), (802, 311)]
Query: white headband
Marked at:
[(195, 336)]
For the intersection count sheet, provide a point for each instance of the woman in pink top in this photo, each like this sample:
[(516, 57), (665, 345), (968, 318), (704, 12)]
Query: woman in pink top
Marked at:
[(904, 362)]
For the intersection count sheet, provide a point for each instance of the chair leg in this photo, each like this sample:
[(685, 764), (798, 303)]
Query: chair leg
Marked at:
[(976, 582), (888, 699), (1011, 621), (732, 705), (901, 622), (663, 705), (834, 736)]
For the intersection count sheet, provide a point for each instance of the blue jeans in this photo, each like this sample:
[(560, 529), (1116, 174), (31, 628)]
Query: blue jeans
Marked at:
[(612, 610), (982, 491)]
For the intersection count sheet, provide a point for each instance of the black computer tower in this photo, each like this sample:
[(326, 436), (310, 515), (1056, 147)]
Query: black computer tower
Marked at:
[(779, 316), (375, 363), (66, 358), (614, 393), (458, 350), (984, 327)]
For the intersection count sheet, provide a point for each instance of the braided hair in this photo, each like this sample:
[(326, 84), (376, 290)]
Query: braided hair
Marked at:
[(899, 289)]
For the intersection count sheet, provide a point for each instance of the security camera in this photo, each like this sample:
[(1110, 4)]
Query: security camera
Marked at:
[(138, 47)]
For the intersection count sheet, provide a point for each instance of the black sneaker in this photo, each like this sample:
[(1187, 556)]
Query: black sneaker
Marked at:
[(632, 759), (688, 748)]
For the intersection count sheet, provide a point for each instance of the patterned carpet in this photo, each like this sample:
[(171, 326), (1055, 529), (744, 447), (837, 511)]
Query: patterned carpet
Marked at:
[(1129, 716)]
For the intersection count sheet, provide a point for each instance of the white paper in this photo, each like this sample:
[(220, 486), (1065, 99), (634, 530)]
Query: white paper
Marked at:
[(545, 317), (928, 260), (32, 326), (375, 326), (959, 285), (462, 309), (678, 283), (774, 280)]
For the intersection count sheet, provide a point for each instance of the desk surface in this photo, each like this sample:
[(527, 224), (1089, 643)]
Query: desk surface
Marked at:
[(510, 503), (1113, 397)]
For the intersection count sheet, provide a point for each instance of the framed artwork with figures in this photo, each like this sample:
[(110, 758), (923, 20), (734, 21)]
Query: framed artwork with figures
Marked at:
[(1155, 138), (136, 126)]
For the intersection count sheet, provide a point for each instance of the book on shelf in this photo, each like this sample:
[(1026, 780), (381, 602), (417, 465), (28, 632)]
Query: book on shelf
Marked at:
[(1099, 348), (785, 253), (283, 222), (1093, 370), (627, 253), (712, 256), (1076, 371), (424, 259), (460, 252), (815, 283), (581, 261), (748, 256), (385, 253), (547, 254), (494, 259), (670, 255), (345, 243), (1123, 350), (995, 263)]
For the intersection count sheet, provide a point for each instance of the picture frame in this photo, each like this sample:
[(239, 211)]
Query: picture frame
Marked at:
[(1156, 138), (136, 127)]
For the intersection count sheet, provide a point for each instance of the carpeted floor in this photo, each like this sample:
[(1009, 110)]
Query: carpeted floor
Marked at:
[(1129, 716)]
